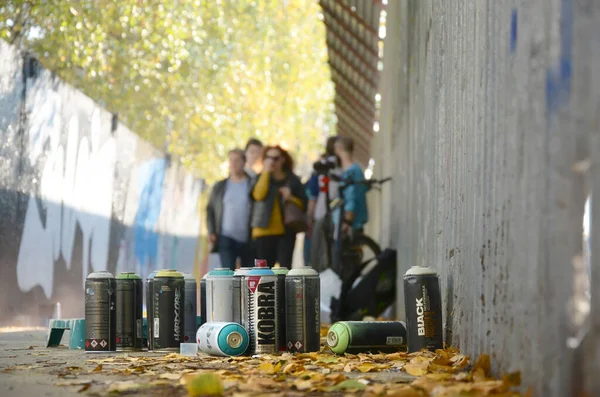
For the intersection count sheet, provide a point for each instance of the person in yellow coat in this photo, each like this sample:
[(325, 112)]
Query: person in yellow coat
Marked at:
[(275, 186)]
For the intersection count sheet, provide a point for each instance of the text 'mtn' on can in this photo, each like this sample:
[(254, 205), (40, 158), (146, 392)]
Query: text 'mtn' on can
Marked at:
[(222, 339), (240, 302), (281, 272), (263, 308), (303, 310), (203, 299), (149, 310), (168, 292), (366, 336), (423, 305), (219, 295), (130, 297), (100, 312), (190, 308)]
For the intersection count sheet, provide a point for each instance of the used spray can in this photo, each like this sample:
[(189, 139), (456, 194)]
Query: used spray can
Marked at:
[(189, 308), (303, 310), (281, 272), (203, 299), (366, 336), (240, 305), (219, 295), (168, 293), (222, 339), (130, 297), (423, 305), (149, 310), (263, 308), (100, 312)]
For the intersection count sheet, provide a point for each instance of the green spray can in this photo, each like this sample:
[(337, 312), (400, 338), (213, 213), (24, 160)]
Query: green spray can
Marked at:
[(366, 336)]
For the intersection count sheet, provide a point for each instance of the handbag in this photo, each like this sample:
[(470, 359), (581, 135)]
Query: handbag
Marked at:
[(294, 218)]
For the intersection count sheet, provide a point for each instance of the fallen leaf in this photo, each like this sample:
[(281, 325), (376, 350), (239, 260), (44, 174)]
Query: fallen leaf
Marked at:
[(336, 378), (125, 386), (170, 376), (348, 385), (84, 388), (269, 368), (512, 379), (403, 391), (366, 367), (98, 368), (205, 384), (483, 362), (78, 382), (327, 359), (415, 369), (304, 385)]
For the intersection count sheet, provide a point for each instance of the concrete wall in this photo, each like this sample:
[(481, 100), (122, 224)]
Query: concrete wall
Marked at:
[(489, 126), (79, 192)]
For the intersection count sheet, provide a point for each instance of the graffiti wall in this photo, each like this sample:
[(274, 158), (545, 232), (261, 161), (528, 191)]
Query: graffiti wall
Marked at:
[(79, 192)]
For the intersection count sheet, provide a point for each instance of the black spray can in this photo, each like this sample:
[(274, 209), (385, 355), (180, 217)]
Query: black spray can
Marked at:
[(203, 313), (100, 313), (423, 305), (149, 310), (190, 309), (281, 272), (168, 290), (366, 336), (129, 311), (303, 310)]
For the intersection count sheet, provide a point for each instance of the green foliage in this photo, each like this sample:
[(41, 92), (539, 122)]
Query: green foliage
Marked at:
[(199, 76)]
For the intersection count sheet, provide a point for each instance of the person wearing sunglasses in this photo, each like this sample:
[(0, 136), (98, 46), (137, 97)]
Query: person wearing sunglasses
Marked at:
[(275, 187)]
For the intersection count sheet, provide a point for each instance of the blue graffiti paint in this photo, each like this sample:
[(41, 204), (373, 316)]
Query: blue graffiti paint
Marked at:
[(513, 31), (558, 81), (152, 176)]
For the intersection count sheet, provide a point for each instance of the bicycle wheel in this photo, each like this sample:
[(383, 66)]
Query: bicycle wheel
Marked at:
[(369, 250)]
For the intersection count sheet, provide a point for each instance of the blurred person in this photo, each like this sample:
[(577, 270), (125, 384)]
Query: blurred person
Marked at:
[(228, 214), (254, 151), (275, 186)]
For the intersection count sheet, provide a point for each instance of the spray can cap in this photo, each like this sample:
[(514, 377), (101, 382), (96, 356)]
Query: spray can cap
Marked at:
[(260, 263)]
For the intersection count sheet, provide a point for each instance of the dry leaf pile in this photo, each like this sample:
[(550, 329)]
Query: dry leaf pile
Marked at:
[(444, 373)]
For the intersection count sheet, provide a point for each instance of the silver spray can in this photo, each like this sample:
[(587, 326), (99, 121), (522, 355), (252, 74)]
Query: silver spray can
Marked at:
[(423, 305), (222, 339), (263, 307), (240, 305), (303, 310), (100, 312), (219, 296), (189, 308)]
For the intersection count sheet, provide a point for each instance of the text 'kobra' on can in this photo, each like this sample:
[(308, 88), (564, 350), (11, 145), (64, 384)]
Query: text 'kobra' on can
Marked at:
[(423, 307), (219, 295), (190, 308), (263, 308), (303, 310), (281, 273), (366, 336), (100, 312), (222, 339), (130, 297), (168, 294)]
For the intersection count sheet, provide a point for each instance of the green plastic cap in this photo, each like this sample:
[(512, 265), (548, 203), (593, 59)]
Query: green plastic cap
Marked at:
[(128, 276), (338, 338)]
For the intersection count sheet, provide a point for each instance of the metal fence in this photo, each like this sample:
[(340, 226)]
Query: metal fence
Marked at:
[(490, 128)]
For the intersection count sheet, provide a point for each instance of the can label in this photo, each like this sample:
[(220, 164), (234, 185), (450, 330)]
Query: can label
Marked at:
[(423, 312), (168, 315), (177, 315), (263, 313), (156, 327), (129, 314), (100, 315), (303, 314)]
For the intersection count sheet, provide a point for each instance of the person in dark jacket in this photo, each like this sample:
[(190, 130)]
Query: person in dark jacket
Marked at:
[(228, 214), (276, 185)]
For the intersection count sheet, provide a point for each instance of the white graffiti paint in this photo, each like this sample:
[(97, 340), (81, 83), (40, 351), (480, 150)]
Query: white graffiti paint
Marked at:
[(76, 186)]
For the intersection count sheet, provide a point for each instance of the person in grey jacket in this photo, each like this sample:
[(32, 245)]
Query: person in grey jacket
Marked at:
[(276, 186), (228, 214)]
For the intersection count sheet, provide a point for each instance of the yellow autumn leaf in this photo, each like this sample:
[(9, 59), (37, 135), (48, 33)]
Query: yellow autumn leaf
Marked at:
[(366, 367), (205, 384), (415, 369), (269, 368)]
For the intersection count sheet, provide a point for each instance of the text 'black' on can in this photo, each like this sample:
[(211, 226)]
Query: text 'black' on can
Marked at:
[(130, 297), (168, 290), (303, 310), (423, 305), (100, 312)]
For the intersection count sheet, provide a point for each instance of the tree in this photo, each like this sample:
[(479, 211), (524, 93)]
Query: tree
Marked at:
[(197, 76)]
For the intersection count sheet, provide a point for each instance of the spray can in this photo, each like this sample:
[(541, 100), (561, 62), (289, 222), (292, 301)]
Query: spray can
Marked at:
[(423, 304), (281, 273), (130, 297), (240, 305), (303, 310), (100, 312), (149, 310), (203, 299), (366, 336), (263, 308), (219, 295), (189, 308), (168, 293), (222, 339)]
